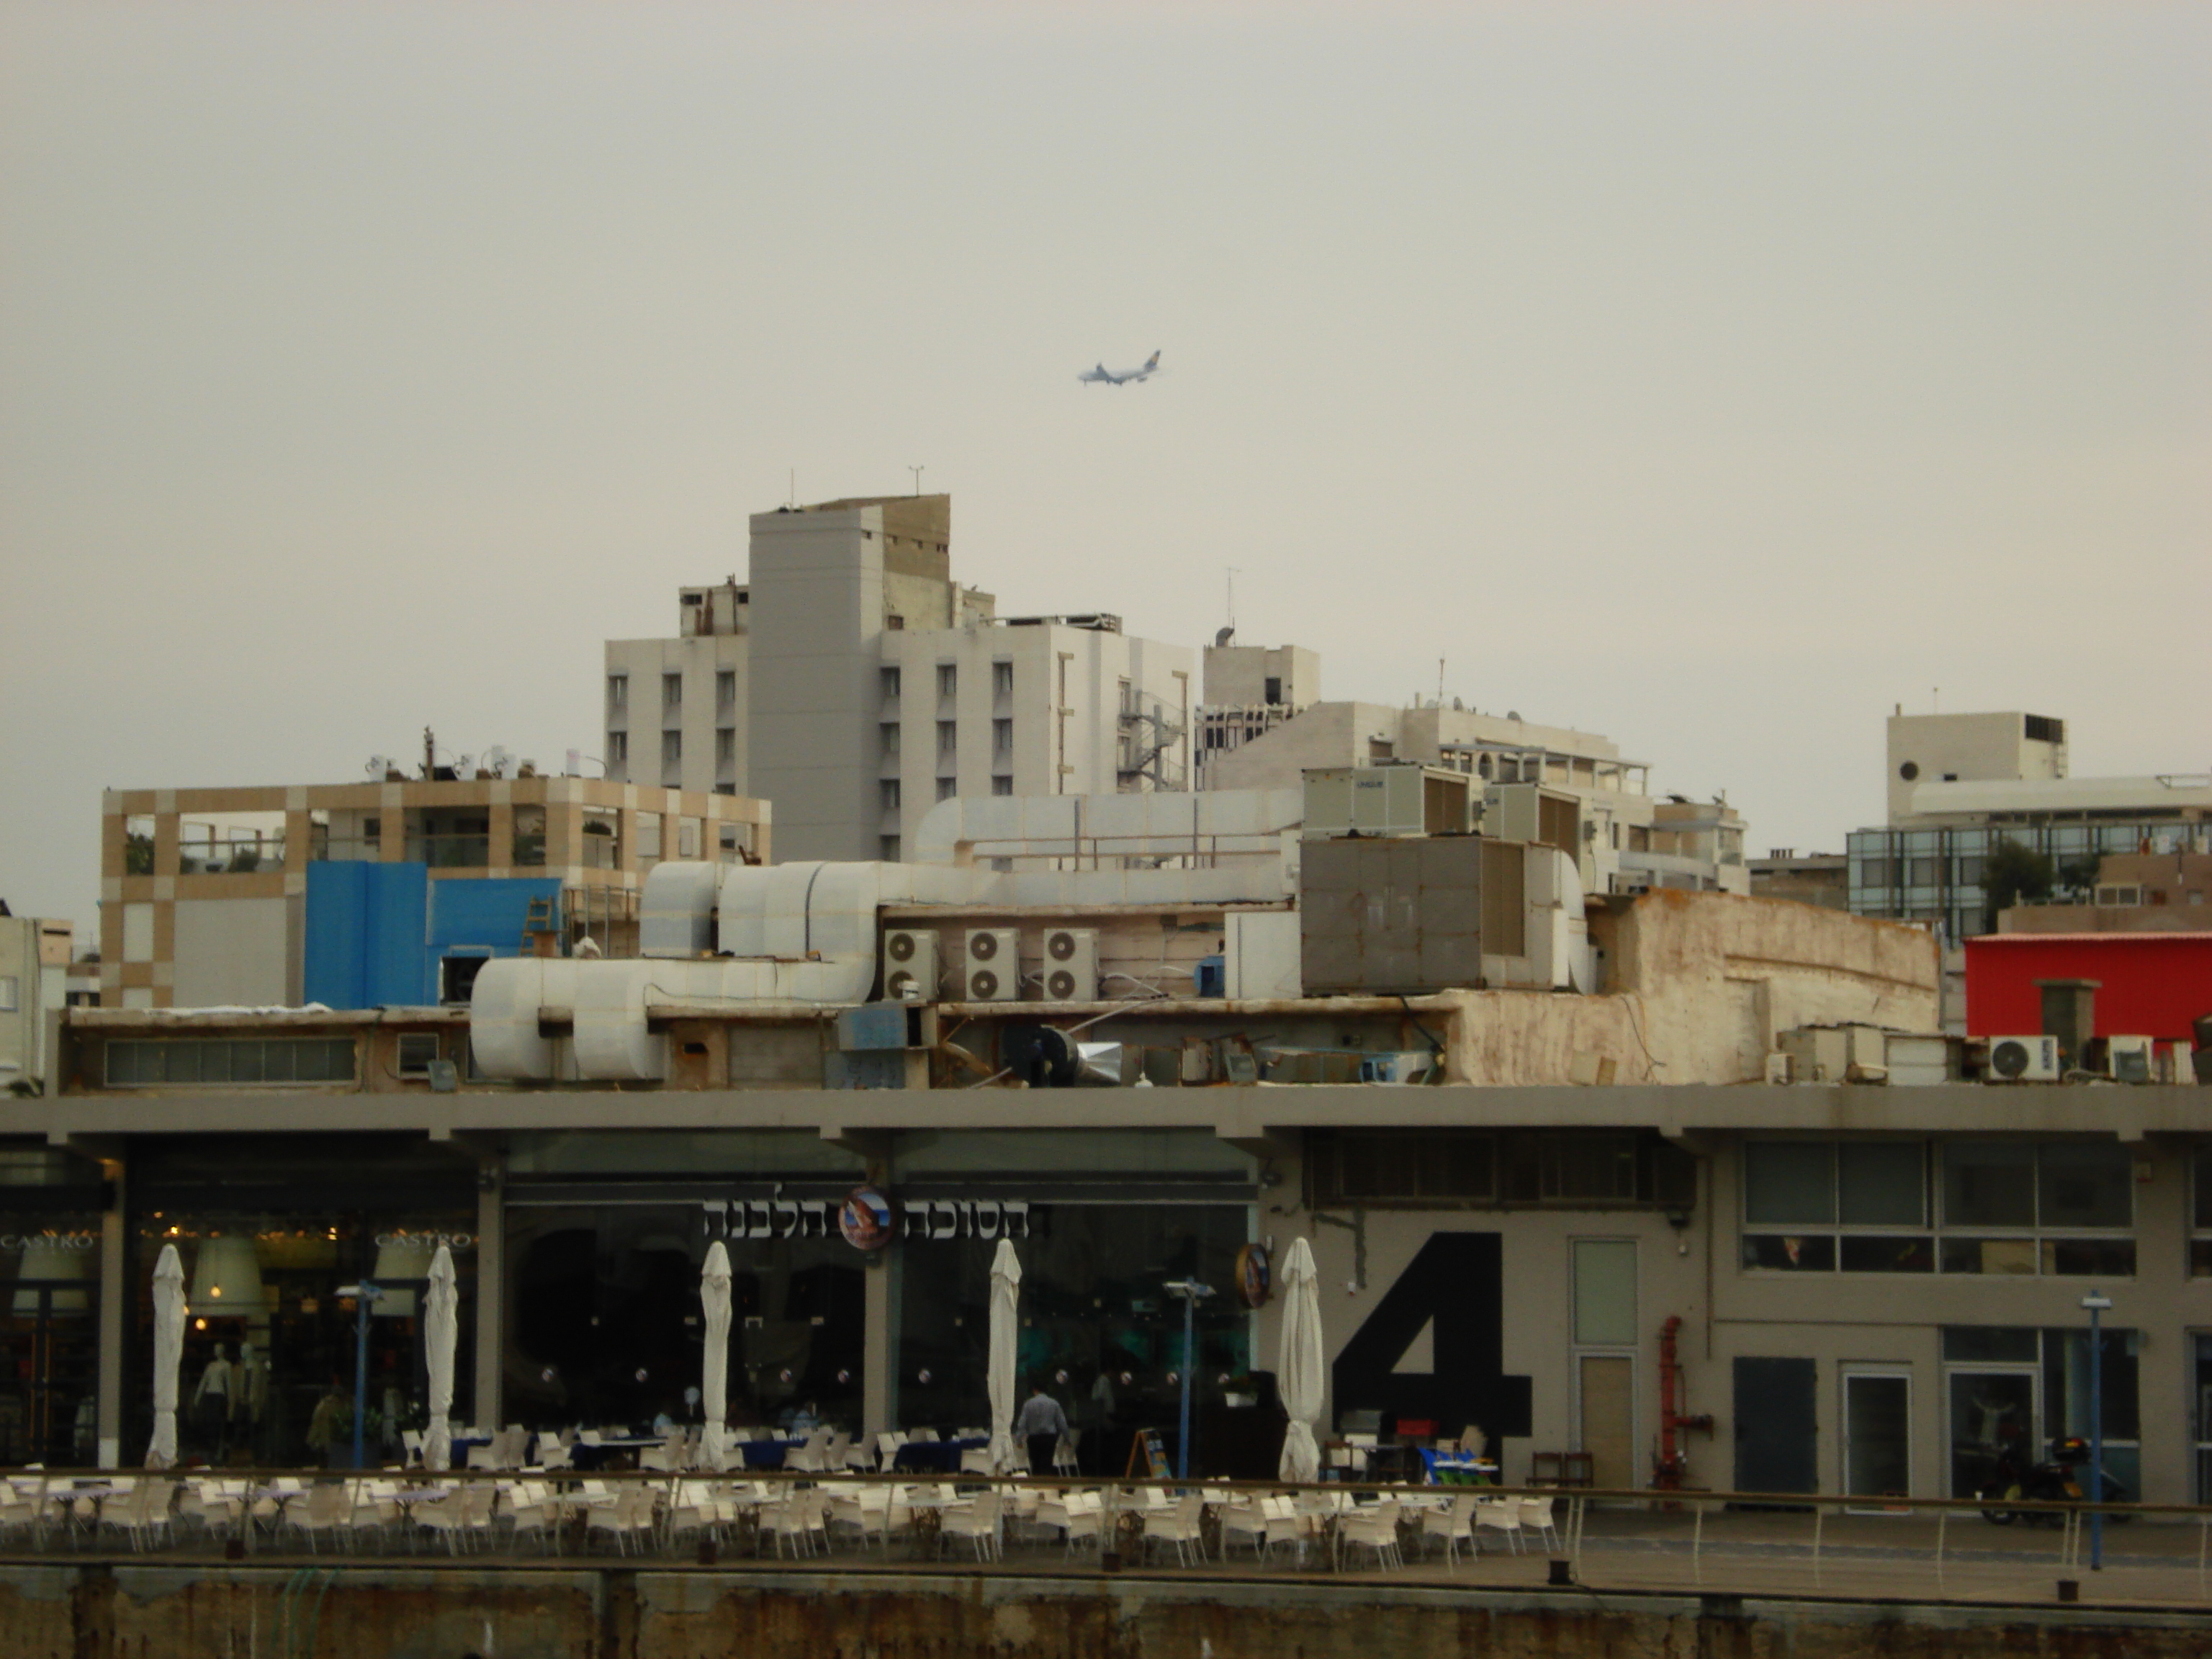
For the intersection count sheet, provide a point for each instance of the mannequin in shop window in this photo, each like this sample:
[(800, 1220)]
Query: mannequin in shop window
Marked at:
[(249, 1397), (212, 1403)]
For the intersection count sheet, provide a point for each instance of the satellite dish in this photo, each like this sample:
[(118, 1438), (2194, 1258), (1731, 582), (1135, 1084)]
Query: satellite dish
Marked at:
[(497, 760), (1226, 634), (376, 766)]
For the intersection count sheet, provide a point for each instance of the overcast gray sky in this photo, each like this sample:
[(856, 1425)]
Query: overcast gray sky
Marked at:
[(1713, 377)]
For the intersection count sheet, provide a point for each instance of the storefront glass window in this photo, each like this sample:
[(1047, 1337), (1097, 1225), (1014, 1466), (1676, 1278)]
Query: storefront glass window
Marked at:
[(605, 1326), (1098, 1326)]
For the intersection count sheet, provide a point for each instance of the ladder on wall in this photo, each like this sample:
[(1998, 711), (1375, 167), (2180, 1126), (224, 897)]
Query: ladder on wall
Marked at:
[(541, 935)]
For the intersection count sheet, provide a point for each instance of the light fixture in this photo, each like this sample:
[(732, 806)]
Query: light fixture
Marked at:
[(49, 1258), (401, 1260), (226, 1278)]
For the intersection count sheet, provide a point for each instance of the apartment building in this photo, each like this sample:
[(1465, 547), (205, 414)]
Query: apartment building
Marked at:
[(1960, 784), (392, 890), (1627, 840), (853, 683)]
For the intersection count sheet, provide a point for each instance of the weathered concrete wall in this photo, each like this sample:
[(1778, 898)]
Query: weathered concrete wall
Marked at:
[(87, 1611), (1719, 974)]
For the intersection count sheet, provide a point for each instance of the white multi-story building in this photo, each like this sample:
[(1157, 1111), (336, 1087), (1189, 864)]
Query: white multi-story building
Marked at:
[(853, 683)]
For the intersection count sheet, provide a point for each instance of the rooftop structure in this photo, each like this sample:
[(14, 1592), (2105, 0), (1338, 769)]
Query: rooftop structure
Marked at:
[(853, 683), (390, 890)]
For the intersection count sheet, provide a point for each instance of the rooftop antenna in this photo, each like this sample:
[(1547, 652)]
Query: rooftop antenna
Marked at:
[(1232, 571), (1440, 681), (429, 755), (791, 495), (917, 472)]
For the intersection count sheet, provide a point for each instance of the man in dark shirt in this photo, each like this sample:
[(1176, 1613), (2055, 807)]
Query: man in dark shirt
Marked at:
[(1041, 1422)]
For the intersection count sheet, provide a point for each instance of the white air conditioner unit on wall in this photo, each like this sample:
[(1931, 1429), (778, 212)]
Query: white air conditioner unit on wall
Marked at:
[(1071, 964), (909, 965), (991, 966), (2023, 1060)]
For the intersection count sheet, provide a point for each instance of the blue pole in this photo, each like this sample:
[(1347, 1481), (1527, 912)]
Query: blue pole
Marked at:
[(1182, 1439), (367, 1293), (2096, 1432)]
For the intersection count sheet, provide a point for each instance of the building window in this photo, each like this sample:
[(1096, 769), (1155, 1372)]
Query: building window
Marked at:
[(618, 748), (726, 745), (1002, 737), (1002, 679), (948, 679), (2006, 1206), (672, 690), (417, 1050), (139, 1064), (945, 788), (725, 687), (948, 739), (891, 685), (671, 748), (1003, 784), (9, 994), (617, 691), (890, 787), (890, 733), (1477, 1168)]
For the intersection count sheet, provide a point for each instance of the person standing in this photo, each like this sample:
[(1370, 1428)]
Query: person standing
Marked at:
[(1042, 1423)]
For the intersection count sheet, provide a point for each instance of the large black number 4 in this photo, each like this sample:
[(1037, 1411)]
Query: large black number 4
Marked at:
[(1457, 1284)]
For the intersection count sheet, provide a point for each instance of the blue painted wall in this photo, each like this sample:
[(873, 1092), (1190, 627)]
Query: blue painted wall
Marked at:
[(376, 932)]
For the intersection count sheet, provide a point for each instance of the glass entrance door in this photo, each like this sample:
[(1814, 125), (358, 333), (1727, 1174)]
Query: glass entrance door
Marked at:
[(1993, 1419), (49, 1374), (1877, 1424)]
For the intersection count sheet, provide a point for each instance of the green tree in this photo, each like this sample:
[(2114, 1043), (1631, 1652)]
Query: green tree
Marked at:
[(2015, 874)]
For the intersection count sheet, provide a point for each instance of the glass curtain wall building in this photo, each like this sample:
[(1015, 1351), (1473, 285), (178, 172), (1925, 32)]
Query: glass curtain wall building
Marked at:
[(1934, 876)]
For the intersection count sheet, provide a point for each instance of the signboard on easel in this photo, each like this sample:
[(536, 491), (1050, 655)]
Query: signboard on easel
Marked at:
[(1148, 1460)]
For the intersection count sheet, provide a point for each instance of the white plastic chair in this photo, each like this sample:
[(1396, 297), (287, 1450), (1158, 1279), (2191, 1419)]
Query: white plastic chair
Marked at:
[(1178, 1525), (1372, 1527), (1536, 1517), (1454, 1523), (977, 1521), (1501, 1514)]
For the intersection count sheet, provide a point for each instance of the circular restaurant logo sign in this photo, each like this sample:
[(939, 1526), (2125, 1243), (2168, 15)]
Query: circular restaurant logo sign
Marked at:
[(1255, 1275), (867, 1219)]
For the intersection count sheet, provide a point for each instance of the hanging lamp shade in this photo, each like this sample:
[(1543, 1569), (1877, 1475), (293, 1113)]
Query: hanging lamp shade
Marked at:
[(226, 1278), (47, 1259), (396, 1263)]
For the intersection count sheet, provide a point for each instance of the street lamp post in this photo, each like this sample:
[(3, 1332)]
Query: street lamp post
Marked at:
[(2096, 1302), (363, 1295), (1192, 1293)]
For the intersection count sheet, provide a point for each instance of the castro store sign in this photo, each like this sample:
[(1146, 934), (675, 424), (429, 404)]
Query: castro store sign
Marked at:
[(25, 1243)]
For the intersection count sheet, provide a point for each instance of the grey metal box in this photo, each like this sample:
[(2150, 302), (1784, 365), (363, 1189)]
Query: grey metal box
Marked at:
[(1390, 915)]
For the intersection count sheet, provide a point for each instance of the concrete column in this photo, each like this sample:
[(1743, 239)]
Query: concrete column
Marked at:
[(491, 1286), (115, 1298), (880, 1347)]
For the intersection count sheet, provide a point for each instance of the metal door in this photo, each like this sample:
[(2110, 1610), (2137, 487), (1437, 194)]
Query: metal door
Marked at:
[(1605, 1388), (49, 1373), (1777, 1430)]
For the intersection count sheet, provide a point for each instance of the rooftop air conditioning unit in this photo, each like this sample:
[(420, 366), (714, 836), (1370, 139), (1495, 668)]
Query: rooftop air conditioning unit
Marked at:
[(2130, 1059), (909, 965), (991, 967), (1071, 964), (2024, 1059)]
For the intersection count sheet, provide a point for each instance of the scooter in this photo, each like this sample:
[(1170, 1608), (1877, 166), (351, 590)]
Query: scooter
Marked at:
[(2053, 1482)]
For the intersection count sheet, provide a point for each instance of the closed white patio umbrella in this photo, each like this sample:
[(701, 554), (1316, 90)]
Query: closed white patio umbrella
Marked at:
[(1006, 1289), (714, 1368), (441, 1327), (168, 1355), (1299, 1366)]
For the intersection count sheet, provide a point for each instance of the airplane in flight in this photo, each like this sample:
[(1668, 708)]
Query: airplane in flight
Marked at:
[(1105, 376)]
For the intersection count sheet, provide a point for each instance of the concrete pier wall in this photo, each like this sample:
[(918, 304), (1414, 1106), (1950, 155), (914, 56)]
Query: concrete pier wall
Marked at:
[(122, 1611)]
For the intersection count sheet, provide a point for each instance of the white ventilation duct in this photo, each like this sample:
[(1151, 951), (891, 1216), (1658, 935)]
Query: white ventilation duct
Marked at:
[(676, 914)]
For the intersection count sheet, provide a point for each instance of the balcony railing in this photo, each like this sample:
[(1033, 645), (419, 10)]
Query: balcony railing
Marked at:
[(230, 857), (451, 852)]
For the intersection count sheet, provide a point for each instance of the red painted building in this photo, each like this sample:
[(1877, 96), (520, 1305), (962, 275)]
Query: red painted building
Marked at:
[(2150, 984)]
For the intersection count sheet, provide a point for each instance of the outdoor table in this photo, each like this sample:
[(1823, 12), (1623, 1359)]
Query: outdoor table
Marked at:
[(593, 1454), (768, 1454), (933, 1456), (927, 1518)]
